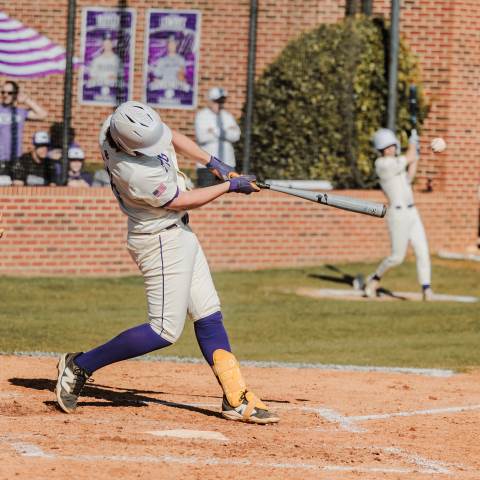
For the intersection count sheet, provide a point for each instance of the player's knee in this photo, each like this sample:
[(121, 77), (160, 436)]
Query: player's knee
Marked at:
[(165, 329), (395, 260)]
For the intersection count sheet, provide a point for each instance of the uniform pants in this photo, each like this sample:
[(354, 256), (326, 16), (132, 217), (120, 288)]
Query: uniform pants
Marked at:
[(177, 279), (404, 226)]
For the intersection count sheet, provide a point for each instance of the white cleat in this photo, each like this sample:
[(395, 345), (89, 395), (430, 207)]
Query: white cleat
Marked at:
[(427, 295), (371, 288)]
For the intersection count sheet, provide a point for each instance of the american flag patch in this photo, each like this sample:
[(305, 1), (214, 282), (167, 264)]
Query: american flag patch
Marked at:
[(160, 190)]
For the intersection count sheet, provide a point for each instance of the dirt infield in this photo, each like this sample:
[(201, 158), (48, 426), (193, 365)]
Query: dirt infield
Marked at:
[(335, 425)]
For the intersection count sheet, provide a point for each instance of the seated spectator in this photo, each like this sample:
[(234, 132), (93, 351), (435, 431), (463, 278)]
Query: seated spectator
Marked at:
[(101, 179), (77, 178), (34, 168)]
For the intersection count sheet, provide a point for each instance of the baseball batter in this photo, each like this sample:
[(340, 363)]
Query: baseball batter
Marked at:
[(139, 152), (396, 174)]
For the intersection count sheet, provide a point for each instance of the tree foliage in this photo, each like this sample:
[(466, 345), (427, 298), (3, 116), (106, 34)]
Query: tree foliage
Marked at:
[(318, 104)]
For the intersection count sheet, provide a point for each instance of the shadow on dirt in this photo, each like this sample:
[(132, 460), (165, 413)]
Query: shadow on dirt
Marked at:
[(112, 397), (348, 279)]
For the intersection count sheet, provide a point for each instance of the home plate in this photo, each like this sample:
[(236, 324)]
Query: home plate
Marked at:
[(190, 434), (351, 294)]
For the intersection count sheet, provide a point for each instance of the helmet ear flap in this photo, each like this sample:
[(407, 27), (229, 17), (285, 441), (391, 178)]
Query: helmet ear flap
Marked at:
[(118, 140)]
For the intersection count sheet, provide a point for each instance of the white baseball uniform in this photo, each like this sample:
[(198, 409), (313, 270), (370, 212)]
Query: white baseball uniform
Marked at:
[(403, 219), (176, 274)]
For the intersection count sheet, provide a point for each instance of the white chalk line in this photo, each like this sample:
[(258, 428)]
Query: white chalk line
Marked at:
[(349, 423), (335, 417), (428, 466), (425, 466), (30, 450), (430, 372), (432, 411)]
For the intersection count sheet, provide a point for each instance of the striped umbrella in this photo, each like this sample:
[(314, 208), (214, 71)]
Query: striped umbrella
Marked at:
[(24, 52)]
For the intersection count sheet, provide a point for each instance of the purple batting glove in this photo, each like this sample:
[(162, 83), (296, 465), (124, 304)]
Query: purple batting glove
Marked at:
[(243, 184), (220, 169)]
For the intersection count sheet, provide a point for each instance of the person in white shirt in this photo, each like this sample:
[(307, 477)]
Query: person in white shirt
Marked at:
[(139, 152), (216, 130), (396, 174)]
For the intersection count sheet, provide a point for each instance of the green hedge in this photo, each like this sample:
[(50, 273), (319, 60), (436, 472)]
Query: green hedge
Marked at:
[(317, 105)]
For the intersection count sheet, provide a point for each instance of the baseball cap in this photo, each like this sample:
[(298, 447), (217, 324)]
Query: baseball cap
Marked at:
[(40, 139), (216, 93), (75, 153)]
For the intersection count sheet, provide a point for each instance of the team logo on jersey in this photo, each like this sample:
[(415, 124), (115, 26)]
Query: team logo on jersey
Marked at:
[(164, 161), (160, 190)]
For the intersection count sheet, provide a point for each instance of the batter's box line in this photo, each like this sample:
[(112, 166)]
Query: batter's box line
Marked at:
[(424, 466), (349, 423)]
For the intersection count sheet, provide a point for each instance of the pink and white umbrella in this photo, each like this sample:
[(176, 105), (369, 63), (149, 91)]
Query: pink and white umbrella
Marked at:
[(24, 52)]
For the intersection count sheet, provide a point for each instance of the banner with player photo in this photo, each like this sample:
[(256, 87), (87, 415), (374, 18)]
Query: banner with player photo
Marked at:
[(108, 42), (172, 40)]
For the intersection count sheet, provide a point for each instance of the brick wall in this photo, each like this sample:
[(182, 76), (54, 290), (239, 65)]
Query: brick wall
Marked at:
[(444, 35), (82, 231)]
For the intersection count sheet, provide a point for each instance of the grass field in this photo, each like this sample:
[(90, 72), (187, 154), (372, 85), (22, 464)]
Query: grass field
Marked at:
[(264, 322)]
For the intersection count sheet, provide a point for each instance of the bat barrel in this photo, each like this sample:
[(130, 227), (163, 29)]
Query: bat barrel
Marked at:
[(353, 204), (345, 203)]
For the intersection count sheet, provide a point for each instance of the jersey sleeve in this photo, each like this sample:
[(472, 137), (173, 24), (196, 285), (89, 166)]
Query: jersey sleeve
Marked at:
[(388, 167), (154, 188)]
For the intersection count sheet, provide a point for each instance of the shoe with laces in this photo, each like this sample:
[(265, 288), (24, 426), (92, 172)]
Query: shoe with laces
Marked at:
[(70, 382), (251, 410)]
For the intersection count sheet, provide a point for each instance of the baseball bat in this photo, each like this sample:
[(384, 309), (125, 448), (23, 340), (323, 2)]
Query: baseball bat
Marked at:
[(413, 105), (338, 201)]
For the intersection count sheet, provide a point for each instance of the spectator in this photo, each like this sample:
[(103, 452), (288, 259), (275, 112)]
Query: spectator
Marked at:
[(77, 178), (34, 168), (12, 121), (216, 130)]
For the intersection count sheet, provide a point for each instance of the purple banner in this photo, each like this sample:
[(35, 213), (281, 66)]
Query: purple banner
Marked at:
[(172, 39), (108, 40)]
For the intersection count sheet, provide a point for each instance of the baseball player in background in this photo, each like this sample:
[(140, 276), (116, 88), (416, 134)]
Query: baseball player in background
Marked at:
[(396, 174), (139, 152)]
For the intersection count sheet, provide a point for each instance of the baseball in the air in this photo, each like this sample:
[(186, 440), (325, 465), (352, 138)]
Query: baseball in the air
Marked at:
[(438, 145)]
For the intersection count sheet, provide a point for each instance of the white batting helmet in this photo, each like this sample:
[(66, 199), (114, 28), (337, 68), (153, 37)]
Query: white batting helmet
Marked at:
[(75, 153), (136, 127), (384, 138)]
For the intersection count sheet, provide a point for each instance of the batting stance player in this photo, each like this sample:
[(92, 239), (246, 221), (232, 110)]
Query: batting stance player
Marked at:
[(139, 152), (396, 174)]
